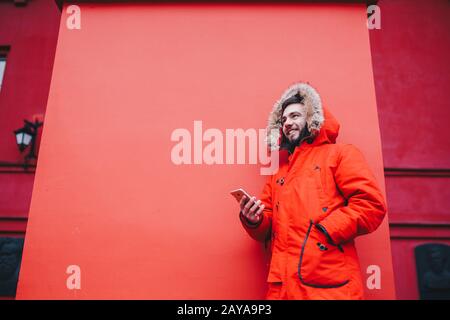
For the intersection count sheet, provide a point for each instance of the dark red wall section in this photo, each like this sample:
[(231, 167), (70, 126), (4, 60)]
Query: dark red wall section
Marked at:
[(30, 32), (412, 81)]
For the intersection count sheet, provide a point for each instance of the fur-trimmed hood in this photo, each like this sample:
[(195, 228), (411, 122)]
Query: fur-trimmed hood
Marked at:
[(322, 126)]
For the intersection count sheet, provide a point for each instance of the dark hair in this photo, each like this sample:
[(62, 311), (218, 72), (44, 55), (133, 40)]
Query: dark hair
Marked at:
[(285, 143), (297, 98)]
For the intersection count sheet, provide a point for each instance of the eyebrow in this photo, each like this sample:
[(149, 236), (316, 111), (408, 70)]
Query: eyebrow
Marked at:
[(283, 117)]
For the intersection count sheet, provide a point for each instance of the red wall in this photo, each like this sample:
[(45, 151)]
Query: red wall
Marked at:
[(412, 84), (412, 81), (31, 32), (85, 186)]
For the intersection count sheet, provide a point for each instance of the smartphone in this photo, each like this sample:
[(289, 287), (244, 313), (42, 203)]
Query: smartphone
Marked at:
[(239, 193)]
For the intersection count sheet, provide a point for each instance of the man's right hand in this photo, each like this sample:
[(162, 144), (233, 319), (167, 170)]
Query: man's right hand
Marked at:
[(251, 209)]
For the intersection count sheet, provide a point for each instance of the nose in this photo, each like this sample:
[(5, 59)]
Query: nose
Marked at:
[(288, 123)]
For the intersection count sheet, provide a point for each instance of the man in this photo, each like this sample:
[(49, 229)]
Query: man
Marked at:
[(322, 197)]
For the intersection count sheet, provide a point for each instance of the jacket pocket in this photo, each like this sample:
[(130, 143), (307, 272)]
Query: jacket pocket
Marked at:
[(321, 265)]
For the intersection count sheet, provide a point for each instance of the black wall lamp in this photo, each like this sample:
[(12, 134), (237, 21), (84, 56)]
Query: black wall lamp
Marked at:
[(26, 137)]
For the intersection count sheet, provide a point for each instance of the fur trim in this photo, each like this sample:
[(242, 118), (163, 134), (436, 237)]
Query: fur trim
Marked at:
[(314, 113)]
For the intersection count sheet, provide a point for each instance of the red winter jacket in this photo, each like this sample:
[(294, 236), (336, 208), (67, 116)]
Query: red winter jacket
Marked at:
[(322, 197)]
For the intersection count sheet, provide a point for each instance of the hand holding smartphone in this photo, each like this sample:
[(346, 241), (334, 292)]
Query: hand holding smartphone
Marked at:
[(250, 207)]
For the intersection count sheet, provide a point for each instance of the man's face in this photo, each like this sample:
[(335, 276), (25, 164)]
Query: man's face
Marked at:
[(293, 121)]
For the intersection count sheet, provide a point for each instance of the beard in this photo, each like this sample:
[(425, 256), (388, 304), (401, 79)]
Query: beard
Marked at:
[(291, 145)]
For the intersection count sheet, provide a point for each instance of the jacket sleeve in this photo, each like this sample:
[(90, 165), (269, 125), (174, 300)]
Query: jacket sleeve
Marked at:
[(262, 230), (365, 205)]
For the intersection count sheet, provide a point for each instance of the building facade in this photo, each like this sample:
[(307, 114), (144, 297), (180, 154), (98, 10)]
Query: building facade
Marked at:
[(412, 80)]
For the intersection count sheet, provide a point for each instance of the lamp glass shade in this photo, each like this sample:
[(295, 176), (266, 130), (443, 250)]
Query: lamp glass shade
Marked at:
[(23, 139), (19, 138), (27, 138)]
